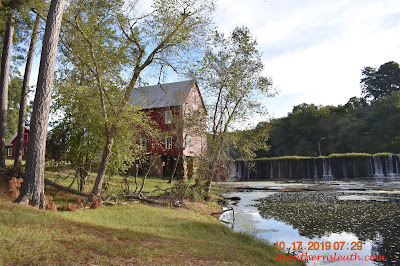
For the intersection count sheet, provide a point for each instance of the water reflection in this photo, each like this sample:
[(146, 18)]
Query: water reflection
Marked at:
[(323, 216)]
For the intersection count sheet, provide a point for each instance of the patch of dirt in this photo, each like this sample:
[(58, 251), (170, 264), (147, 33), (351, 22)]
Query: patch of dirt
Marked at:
[(4, 189)]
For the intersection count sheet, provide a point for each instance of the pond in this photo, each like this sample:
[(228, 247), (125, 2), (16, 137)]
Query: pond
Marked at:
[(353, 219)]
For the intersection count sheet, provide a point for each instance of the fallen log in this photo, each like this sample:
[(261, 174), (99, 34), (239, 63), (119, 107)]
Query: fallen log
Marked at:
[(144, 199), (232, 198), (48, 182), (221, 212)]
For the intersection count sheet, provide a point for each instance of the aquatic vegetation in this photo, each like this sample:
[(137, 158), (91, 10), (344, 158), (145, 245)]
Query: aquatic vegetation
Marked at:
[(316, 214)]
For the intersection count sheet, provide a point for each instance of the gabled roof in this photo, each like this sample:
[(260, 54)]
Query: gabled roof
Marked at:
[(162, 95), (9, 143)]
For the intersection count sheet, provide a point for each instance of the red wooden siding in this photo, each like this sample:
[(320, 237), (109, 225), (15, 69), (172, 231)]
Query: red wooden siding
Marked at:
[(12, 145), (157, 146), (180, 139)]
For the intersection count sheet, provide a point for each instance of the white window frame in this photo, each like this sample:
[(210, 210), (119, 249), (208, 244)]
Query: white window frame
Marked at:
[(9, 152), (168, 117), (194, 101), (189, 139), (143, 144), (168, 142), (26, 137)]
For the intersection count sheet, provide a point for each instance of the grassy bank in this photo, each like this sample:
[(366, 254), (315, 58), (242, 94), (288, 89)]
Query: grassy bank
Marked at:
[(123, 235)]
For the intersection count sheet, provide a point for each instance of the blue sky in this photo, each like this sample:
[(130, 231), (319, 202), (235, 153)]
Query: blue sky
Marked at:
[(314, 50)]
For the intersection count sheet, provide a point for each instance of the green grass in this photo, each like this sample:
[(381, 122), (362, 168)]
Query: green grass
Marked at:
[(333, 155), (115, 185), (293, 157), (348, 155), (124, 235), (10, 162)]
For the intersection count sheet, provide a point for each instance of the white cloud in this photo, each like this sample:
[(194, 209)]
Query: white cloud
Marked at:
[(315, 50)]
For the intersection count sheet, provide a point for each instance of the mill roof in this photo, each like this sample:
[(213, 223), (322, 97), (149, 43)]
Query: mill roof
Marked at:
[(162, 95)]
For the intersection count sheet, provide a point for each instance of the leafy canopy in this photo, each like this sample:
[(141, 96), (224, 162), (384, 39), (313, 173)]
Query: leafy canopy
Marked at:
[(381, 82)]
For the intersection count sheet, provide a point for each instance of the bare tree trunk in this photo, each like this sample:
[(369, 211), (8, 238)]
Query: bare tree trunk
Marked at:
[(4, 78), (32, 191), (144, 179), (213, 170), (208, 188), (83, 174), (103, 166), (24, 94), (174, 170), (136, 175)]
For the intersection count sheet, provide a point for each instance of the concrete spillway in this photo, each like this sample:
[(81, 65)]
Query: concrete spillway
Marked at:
[(336, 167)]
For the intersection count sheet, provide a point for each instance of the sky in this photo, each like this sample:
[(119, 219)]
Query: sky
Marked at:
[(314, 50)]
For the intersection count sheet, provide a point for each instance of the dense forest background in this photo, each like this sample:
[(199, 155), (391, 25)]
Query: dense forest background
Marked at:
[(369, 124)]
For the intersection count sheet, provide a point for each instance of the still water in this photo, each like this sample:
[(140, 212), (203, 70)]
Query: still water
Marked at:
[(361, 218)]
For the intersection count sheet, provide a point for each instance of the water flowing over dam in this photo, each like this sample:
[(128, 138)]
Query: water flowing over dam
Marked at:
[(328, 167)]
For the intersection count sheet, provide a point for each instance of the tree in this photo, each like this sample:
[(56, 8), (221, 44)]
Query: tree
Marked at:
[(14, 91), (191, 125), (32, 191), (377, 83), (24, 94), (382, 118), (4, 80), (282, 138), (78, 137), (16, 15), (114, 42), (249, 143), (233, 80)]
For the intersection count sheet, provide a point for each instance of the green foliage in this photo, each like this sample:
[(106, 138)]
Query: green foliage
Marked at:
[(232, 76), (79, 133), (381, 82), (309, 130), (356, 127), (14, 94), (183, 190), (80, 138), (372, 128), (247, 143), (24, 19)]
